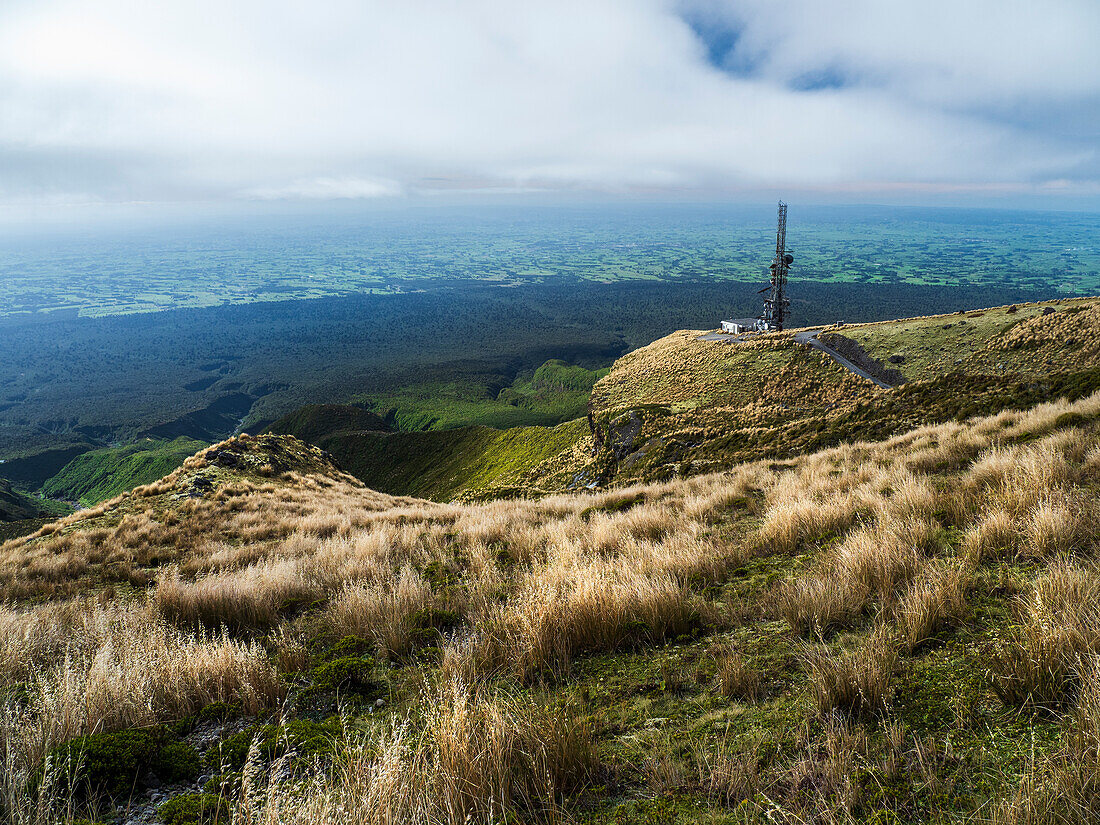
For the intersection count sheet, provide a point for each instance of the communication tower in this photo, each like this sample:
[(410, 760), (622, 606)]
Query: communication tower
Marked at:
[(775, 305)]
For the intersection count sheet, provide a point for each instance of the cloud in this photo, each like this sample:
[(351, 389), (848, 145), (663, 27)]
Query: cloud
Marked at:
[(326, 189), (122, 99)]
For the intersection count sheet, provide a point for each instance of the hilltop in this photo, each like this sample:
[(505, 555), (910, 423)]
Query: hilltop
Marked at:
[(803, 597), (684, 404)]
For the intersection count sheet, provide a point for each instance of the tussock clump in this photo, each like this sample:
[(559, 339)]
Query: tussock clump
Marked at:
[(562, 611), (734, 678), (95, 668), (389, 613), (857, 683), (1052, 528), (790, 523), (872, 563), (729, 775), (1064, 788), (252, 598), (933, 602), (1041, 659), (469, 756), (995, 535), (821, 602)]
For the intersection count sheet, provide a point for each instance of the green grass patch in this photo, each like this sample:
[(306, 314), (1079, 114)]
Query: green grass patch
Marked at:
[(102, 474)]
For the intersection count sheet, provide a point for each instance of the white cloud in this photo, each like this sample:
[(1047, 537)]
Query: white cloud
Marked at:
[(184, 99), (326, 189)]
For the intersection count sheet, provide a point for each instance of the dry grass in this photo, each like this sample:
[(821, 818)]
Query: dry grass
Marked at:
[(935, 601), (467, 757), (1057, 633), (859, 533), (386, 612), (1063, 789), (734, 678), (253, 598), (559, 612), (856, 683), (89, 667)]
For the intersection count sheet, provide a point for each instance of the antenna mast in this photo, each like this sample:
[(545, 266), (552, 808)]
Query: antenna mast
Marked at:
[(775, 305)]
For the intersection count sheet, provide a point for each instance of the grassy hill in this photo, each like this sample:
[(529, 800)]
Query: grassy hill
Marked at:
[(685, 405), (96, 475), (901, 630)]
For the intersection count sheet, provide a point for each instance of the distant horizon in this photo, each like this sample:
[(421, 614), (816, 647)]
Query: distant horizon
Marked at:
[(121, 216)]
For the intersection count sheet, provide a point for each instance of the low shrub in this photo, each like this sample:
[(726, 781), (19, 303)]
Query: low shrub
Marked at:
[(116, 764), (195, 809)]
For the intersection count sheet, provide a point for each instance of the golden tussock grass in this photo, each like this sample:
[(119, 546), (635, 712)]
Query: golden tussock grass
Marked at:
[(466, 756), (88, 667), (254, 597), (1043, 656), (861, 531), (1064, 787), (733, 676), (559, 612), (856, 683), (384, 612), (934, 601)]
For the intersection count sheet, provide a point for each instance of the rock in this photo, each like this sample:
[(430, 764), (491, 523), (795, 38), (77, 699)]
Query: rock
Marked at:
[(379, 703), (1012, 310), (1049, 310), (222, 458), (896, 359)]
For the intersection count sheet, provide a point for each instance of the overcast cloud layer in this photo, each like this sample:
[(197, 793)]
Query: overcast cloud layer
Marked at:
[(182, 100)]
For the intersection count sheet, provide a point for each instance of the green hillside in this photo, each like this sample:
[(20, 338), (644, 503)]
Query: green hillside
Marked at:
[(553, 393), (16, 507), (437, 464), (467, 438), (102, 474), (316, 421)]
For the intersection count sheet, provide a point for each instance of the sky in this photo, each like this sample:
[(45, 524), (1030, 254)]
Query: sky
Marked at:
[(287, 101)]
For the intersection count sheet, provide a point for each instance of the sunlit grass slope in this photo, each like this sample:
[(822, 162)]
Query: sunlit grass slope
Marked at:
[(1018, 339), (899, 630), (684, 405), (556, 392), (101, 474)]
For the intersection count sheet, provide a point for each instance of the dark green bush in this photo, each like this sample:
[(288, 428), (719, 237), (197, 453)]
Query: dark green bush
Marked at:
[(194, 809), (350, 673), (301, 736), (115, 764)]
